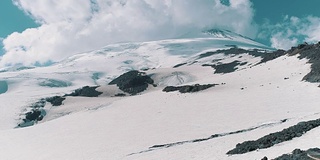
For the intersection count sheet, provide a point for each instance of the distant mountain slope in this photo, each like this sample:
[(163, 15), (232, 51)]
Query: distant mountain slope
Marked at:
[(195, 97)]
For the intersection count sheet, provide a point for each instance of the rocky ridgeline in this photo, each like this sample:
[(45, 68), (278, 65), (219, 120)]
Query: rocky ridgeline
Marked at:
[(265, 55), (233, 66), (275, 138), (312, 53), (308, 51)]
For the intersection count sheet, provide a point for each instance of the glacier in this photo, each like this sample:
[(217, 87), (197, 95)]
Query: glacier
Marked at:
[(257, 96)]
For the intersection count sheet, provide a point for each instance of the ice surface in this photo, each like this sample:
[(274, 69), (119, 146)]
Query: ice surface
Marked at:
[(3, 87)]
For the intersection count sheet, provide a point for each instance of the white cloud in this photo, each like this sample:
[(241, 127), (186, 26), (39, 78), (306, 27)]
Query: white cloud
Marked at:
[(292, 31), (294, 20), (311, 28), (281, 41), (73, 26)]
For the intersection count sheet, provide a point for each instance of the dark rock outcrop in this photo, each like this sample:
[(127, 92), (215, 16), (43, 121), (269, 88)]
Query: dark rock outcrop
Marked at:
[(36, 114), (133, 82), (32, 117), (85, 92), (233, 66), (227, 52), (312, 53), (188, 88), (179, 65), (213, 136), (271, 56), (276, 138), (226, 67), (120, 95), (266, 56), (298, 154), (56, 100), (82, 92), (40, 104)]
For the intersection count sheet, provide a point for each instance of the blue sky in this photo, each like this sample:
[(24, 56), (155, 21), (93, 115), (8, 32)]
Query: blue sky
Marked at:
[(275, 10), (12, 19), (72, 26)]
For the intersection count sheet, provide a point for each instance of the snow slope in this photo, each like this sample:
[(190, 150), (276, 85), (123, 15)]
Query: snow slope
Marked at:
[(254, 96), (99, 67)]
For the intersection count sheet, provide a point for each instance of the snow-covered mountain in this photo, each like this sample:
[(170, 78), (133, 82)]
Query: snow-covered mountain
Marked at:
[(194, 97)]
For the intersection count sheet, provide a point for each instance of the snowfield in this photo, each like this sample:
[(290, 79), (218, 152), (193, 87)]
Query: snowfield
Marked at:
[(256, 99)]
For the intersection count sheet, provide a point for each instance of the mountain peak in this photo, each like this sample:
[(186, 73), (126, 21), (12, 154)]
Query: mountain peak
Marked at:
[(224, 33)]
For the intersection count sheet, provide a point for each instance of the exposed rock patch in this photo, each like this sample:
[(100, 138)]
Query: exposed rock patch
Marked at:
[(133, 82), (37, 112), (271, 56), (85, 92), (226, 52), (312, 53), (179, 65), (188, 88), (266, 56), (81, 92), (226, 67), (34, 115), (120, 95), (56, 100), (275, 138), (233, 66), (298, 154)]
